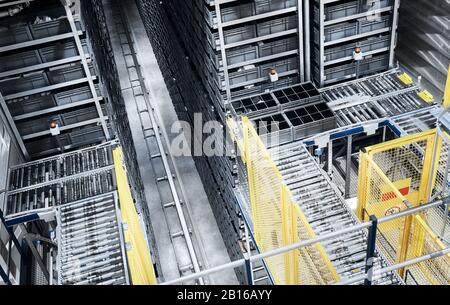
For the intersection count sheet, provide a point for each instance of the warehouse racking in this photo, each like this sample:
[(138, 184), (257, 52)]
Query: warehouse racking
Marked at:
[(352, 39), (96, 196)]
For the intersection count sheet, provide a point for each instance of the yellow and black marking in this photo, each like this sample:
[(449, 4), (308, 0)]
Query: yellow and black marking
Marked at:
[(405, 79), (426, 96)]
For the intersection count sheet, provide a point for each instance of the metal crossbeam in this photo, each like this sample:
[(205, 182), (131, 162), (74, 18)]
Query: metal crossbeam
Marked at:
[(49, 88), (64, 128), (38, 67), (37, 42), (53, 109)]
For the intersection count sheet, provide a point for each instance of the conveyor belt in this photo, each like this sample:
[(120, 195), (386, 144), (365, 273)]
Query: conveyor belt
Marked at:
[(327, 212), (418, 121), (90, 243), (47, 183), (372, 98)]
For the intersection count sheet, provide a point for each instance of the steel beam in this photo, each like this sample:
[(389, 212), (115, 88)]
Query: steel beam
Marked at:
[(64, 128), (223, 51), (54, 109), (306, 40), (354, 37), (49, 88), (37, 42), (301, 58), (12, 3), (348, 165), (42, 66), (394, 33)]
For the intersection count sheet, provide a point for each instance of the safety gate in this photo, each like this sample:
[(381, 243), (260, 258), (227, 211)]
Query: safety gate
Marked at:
[(395, 176)]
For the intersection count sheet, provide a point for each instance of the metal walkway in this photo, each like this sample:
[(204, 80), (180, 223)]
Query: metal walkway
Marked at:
[(36, 188)]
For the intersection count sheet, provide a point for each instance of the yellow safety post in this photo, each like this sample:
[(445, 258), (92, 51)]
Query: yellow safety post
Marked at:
[(295, 239), (446, 103), (404, 244), (363, 175), (287, 235), (138, 254)]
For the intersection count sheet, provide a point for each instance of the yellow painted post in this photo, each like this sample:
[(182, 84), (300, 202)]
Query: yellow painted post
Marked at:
[(287, 238), (295, 239), (138, 254), (251, 179), (362, 186), (404, 243), (430, 167), (446, 103)]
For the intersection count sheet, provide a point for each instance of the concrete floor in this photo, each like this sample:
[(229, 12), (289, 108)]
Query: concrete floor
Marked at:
[(211, 246)]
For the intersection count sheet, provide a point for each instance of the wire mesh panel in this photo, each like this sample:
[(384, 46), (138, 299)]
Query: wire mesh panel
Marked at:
[(312, 264), (380, 197), (265, 197), (278, 220), (398, 175), (424, 241)]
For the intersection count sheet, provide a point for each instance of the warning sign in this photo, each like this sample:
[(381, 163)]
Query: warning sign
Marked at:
[(392, 210)]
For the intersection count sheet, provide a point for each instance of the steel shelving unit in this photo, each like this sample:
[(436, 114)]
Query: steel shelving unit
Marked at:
[(352, 39), (48, 75), (235, 44)]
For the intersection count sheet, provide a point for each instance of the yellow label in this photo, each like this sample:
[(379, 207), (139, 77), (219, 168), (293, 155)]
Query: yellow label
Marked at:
[(405, 79), (426, 96)]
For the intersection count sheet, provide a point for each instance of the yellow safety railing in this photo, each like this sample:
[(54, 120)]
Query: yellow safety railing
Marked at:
[(446, 102), (394, 176), (277, 219), (424, 241), (378, 196), (138, 254)]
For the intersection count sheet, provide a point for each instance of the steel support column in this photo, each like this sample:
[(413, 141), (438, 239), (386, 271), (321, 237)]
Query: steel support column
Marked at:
[(348, 167), (370, 251)]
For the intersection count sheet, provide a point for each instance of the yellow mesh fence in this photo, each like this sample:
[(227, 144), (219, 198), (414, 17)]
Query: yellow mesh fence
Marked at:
[(424, 241), (380, 197), (138, 254), (311, 263), (277, 220), (395, 176)]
